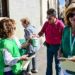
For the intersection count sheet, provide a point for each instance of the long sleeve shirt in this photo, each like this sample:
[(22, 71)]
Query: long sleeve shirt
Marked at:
[(9, 60), (29, 32)]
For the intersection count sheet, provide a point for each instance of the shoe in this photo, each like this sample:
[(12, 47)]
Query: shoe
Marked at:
[(34, 71), (28, 73)]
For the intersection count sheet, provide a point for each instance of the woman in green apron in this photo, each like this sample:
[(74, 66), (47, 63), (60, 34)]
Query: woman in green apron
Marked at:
[(68, 39), (10, 59)]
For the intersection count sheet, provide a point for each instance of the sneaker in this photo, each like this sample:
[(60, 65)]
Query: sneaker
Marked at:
[(34, 71)]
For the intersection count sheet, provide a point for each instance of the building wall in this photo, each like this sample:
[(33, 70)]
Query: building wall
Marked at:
[(44, 10), (24, 8), (54, 4), (34, 9)]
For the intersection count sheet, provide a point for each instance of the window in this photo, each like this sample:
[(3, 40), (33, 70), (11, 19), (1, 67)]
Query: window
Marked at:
[(0, 7), (3, 8)]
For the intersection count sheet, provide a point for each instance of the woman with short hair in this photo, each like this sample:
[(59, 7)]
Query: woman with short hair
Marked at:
[(10, 59)]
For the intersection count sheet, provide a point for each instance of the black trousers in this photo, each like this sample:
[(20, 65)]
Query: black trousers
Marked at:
[(8, 73), (11, 73)]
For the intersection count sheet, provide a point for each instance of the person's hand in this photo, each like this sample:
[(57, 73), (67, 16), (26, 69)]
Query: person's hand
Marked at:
[(62, 59), (40, 34), (30, 41), (72, 59), (59, 53), (24, 57), (35, 36)]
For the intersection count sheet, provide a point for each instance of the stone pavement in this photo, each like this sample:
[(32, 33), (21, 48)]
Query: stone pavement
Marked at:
[(42, 62)]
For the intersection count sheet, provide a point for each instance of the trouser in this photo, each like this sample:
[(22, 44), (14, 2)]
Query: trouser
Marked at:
[(8, 73), (33, 63), (52, 51), (11, 73)]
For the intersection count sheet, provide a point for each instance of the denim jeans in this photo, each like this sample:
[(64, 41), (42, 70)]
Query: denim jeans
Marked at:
[(52, 52)]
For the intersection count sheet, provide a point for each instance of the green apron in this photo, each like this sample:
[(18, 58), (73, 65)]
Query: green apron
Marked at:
[(68, 42), (11, 46), (23, 50)]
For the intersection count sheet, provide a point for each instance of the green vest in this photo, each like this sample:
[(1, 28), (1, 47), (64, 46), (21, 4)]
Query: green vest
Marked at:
[(67, 42), (13, 49), (23, 50)]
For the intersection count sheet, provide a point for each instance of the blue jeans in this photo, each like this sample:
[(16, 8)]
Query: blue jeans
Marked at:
[(52, 51)]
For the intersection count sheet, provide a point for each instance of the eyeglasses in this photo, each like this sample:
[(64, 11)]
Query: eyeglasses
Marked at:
[(71, 14)]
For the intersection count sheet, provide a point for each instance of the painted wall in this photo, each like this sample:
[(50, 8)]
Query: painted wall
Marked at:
[(54, 4), (25, 8)]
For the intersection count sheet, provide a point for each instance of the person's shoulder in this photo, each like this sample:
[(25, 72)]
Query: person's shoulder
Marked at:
[(31, 27), (66, 28), (46, 23), (7, 42), (59, 21)]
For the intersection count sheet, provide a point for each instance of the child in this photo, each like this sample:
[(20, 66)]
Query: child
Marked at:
[(31, 34)]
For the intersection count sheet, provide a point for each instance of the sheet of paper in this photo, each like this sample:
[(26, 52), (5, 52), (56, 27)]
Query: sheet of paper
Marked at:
[(68, 65), (63, 58), (26, 63)]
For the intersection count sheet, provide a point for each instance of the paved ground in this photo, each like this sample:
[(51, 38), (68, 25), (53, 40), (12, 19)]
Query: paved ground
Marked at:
[(42, 62)]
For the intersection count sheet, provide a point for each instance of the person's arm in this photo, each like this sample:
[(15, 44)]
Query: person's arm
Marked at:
[(24, 45), (41, 32), (72, 58), (9, 60), (20, 46), (17, 42), (43, 29), (60, 54)]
